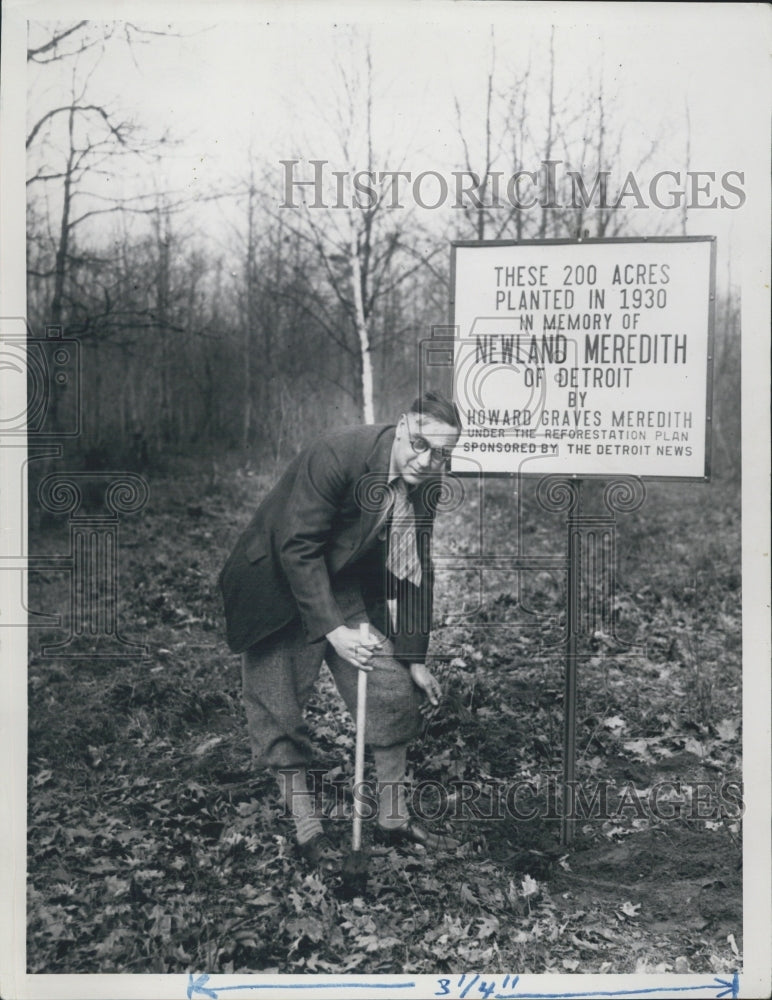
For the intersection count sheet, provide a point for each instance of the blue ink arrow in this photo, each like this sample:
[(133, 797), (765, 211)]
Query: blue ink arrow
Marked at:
[(198, 987), (729, 988), (733, 987)]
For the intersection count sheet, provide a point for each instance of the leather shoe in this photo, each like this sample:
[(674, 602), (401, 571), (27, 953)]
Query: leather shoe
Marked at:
[(413, 833), (320, 852)]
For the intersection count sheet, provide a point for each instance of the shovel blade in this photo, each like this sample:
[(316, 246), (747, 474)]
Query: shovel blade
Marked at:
[(354, 875)]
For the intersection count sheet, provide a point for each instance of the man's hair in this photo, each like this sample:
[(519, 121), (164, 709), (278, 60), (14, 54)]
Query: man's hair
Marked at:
[(433, 404)]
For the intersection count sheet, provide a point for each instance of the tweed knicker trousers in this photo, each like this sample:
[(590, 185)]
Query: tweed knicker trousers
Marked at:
[(279, 674)]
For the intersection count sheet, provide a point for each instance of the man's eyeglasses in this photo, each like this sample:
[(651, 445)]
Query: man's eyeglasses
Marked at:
[(419, 444)]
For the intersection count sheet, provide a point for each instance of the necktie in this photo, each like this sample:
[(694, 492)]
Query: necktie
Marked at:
[(403, 561)]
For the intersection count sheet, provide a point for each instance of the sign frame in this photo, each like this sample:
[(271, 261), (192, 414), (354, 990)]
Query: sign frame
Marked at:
[(577, 241)]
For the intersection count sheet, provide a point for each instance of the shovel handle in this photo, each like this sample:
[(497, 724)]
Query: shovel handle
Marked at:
[(359, 753)]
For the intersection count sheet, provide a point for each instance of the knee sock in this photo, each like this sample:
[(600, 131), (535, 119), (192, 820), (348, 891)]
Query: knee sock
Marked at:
[(390, 766), (299, 802)]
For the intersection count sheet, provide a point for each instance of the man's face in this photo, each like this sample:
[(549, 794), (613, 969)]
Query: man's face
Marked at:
[(421, 446)]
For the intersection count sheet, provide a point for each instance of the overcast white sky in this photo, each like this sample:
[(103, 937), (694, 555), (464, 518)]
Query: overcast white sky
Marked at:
[(260, 76)]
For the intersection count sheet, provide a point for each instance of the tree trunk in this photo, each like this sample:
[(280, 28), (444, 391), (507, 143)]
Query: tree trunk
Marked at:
[(60, 267), (363, 333), (250, 276), (163, 237), (545, 207)]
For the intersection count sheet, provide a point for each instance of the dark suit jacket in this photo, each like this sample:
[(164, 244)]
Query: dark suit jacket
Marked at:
[(320, 525)]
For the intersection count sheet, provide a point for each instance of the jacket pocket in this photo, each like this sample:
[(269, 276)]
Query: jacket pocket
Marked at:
[(256, 548)]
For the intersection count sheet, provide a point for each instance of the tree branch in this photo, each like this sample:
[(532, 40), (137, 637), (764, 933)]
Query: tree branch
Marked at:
[(54, 41)]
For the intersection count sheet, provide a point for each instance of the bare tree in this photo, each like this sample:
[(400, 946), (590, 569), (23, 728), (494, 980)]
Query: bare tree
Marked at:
[(549, 137), (506, 141), (561, 146), (687, 167), (361, 251), (74, 145), (481, 179), (517, 127)]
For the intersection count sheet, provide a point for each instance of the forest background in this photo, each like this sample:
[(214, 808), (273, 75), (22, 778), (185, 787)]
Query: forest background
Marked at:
[(218, 333), (216, 312)]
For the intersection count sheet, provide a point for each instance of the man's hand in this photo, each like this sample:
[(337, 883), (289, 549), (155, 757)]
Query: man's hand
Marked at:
[(348, 644), (425, 680)]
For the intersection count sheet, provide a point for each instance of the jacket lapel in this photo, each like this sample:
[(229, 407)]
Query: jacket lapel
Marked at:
[(371, 489)]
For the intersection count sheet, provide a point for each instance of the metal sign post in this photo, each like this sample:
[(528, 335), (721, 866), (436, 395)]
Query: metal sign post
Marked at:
[(590, 591), (573, 583)]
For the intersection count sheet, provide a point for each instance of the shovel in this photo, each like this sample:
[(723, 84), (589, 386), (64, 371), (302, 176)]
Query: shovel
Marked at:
[(354, 873)]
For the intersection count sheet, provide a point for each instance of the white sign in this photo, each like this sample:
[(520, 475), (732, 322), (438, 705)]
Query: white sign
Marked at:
[(584, 358)]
